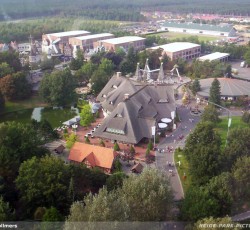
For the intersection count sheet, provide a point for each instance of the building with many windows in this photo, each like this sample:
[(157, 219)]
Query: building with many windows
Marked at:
[(184, 50), (57, 43), (123, 42), (87, 42), (217, 56)]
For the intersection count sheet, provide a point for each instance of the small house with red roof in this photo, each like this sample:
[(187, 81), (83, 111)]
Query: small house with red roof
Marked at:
[(93, 156)]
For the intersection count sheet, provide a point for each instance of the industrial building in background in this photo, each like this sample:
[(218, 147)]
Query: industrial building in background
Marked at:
[(225, 30)]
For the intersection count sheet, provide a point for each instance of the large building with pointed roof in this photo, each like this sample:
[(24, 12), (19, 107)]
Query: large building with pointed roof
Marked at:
[(133, 106)]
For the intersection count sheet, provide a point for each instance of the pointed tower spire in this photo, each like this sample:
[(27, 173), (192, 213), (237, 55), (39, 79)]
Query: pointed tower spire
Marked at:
[(161, 76), (138, 76), (146, 73)]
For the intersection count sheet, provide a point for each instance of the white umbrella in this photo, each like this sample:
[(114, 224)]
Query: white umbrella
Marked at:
[(162, 125), (166, 120)]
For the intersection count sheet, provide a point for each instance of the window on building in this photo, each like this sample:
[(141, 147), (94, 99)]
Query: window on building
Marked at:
[(116, 131), (163, 100)]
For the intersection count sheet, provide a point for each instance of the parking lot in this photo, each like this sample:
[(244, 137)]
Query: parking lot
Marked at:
[(243, 73)]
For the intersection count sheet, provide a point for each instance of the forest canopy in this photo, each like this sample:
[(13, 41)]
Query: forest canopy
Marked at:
[(116, 9)]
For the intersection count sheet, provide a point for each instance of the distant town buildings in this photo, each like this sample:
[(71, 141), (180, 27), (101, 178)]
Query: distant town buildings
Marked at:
[(185, 50), (125, 42), (225, 30)]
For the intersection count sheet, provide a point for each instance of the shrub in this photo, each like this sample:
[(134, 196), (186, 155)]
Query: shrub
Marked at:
[(116, 147)]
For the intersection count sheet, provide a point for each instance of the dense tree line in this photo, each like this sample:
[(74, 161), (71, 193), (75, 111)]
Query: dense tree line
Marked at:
[(58, 88), (31, 179), (20, 31), (125, 10), (220, 179), (147, 197)]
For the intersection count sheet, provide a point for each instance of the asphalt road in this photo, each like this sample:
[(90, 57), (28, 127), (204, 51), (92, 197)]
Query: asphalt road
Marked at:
[(163, 158)]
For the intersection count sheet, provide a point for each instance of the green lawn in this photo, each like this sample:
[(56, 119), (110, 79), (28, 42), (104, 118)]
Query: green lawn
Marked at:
[(34, 101), (222, 127), (183, 168), (175, 35)]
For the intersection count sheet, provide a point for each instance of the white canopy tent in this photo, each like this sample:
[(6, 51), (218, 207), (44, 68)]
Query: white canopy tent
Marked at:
[(166, 120), (162, 125)]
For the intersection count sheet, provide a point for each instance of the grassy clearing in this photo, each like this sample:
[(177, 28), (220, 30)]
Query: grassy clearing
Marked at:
[(183, 168), (222, 127), (34, 101), (175, 35)]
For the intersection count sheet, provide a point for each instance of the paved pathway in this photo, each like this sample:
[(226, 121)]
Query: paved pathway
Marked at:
[(173, 141), (241, 216)]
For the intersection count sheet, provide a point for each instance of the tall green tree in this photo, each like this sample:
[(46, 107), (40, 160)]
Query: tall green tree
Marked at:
[(5, 69), (86, 116), (86, 71), (196, 87), (210, 114), (7, 87), (147, 197), (107, 66), (52, 215), (18, 142), (214, 93), (6, 214), (198, 204), (203, 153), (12, 59), (2, 102), (221, 189), (115, 180), (241, 174), (237, 146), (22, 86), (58, 88), (44, 182), (15, 86), (98, 80)]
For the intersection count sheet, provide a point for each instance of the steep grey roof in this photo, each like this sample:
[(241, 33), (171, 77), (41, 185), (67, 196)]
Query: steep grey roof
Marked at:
[(196, 26), (114, 91), (131, 120), (229, 87)]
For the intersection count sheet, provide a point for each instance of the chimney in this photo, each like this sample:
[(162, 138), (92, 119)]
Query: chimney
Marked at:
[(126, 96), (119, 74)]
